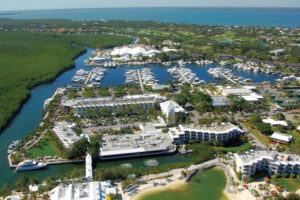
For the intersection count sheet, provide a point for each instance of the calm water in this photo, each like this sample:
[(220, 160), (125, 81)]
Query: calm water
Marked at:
[(205, 185), (209, 16), (30, 114), (116, 76)]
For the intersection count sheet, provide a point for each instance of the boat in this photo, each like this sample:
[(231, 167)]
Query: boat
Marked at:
[(30, 165), (12, 147)]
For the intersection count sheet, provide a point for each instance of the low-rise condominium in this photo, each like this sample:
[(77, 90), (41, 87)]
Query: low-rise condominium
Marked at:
[(81, 106), (220, 132), (271, 161)]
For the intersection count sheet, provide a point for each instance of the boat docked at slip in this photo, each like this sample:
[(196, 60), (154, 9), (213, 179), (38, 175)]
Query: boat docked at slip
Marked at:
[(30, 165)]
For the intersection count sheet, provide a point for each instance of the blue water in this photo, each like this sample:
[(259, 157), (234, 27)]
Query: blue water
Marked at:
[(116, 76), (209, 16)]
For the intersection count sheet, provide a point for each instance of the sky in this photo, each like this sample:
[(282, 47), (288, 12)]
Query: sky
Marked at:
[(9, 5)]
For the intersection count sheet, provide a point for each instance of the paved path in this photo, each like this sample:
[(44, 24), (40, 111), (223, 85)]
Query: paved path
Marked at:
[(141, 82), (88, 78), (254, 140), (182, 75)]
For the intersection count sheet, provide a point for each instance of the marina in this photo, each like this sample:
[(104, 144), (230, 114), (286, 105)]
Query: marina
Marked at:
[(30, 114), (140, 76), (89, 78), (227, 74), (184, 75)]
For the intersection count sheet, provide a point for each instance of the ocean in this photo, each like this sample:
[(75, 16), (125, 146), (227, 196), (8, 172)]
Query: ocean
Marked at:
[(267, 17)]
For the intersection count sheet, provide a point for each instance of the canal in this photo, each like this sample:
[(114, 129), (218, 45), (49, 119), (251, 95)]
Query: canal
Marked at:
[(30, 115)]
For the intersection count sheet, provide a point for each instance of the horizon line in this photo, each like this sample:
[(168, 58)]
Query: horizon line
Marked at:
[(174, 7)]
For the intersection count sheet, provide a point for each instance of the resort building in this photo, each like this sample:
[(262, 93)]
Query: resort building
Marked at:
[(135, 145), (274, 122), (81, 106), (245, 93), (221, 133), (271, 161), (65, 133), (83, 191), (169, 108), (134, 51), (281, 138)]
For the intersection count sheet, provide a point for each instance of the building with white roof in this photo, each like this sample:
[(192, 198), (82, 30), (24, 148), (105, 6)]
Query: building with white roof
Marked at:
[(219, 132), (83, 191), (151, 142), (134, 51), (271, 161), (275, 122), (169, 108), (81, 105), (281, 138), (245, 92), (65, 133)]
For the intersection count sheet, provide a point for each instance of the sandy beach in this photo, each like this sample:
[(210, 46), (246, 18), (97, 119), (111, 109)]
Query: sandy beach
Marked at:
[(177, 184)]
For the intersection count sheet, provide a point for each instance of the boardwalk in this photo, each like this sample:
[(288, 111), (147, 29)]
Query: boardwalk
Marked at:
[(140, 80), (182, 75), (88, 78)]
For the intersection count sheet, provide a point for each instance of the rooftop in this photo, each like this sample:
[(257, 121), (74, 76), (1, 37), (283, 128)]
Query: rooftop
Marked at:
[(134, 143)]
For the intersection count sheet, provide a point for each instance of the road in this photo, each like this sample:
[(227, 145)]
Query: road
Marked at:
[(254, 141)]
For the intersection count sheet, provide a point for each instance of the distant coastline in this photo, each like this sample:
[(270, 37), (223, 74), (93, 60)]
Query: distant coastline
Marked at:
[(162, 7), (222, 16)]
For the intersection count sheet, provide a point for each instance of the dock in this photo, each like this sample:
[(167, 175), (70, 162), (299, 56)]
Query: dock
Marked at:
[(140, 80), (88, 78), (183, 76)]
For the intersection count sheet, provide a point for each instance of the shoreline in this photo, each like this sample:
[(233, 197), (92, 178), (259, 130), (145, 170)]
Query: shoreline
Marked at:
[(41, 82), (178, 182)]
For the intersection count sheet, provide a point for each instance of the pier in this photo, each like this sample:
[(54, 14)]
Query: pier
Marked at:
[(183, 76), (140, 80), (88, 167), (88, 78)]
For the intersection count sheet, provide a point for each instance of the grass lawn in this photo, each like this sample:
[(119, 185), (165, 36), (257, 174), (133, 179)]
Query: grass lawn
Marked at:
[(241, 149), (262, 138), (43, 148), (290, 183), (295, 145)]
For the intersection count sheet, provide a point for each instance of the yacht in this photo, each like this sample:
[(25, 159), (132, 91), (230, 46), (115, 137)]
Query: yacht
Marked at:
[(30, 165), (181, 63)]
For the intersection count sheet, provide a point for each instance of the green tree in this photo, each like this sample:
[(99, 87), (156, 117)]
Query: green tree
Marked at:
[(264, 128), (6, 190), (280, 116), (180, 99), (254, 118)]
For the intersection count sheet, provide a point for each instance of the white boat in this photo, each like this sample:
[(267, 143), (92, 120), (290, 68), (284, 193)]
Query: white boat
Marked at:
[(30, 165)]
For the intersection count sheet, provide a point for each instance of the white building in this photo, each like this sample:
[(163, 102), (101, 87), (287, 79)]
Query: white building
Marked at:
[(277, 52), (169, 108), (275, 122), (281, 138), (134, 51), (271, 161), (80, 106), (83, 191), (245, 92), (221, 133), (151, 142), (65, 133)]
